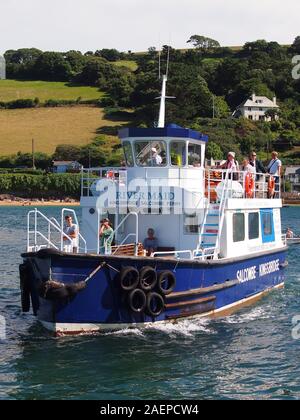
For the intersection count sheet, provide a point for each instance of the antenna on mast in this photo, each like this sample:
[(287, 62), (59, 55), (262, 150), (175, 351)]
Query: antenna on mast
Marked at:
[(163, 97)]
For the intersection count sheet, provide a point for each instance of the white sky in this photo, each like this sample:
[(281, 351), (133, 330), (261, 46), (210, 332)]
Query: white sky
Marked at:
[(138, 24)]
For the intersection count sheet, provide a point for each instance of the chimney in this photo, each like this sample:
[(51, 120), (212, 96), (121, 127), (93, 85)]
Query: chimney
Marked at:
[(253, 97), (275, 100)]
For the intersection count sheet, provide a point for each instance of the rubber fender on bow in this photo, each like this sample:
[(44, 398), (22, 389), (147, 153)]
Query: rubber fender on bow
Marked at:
[(155, 304), (148, 278), (166, 282), (129, 278), (137, 301)]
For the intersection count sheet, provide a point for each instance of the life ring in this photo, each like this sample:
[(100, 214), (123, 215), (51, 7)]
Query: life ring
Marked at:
[(166, 282), (129, 278), (155, 304), (148, 278), (137, 301), (110, 175), (249, 185), (271, 186), (25, 287)]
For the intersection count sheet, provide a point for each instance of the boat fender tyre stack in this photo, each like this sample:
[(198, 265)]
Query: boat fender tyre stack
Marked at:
[(148, 278), (155, 304), (137, 301), (25, 287), (129, 278), (166, 282)]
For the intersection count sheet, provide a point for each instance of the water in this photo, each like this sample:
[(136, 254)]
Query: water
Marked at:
[(250, 354)]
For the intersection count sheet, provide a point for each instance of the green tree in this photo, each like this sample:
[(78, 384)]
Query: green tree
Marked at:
[(203, 43)]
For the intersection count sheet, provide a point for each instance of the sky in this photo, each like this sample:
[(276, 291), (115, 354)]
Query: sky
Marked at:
[(88, 25)]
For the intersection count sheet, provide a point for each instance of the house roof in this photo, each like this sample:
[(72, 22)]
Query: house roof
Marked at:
[(258, 101), (292, 170)]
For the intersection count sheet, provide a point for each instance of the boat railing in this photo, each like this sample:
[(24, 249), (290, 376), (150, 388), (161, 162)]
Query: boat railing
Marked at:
[(50, 224), (241, 184), (284, 239), (91, 176), (176, 254)]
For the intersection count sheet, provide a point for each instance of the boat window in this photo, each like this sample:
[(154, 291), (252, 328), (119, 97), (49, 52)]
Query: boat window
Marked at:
[(253, 223), (178, 153), (128, 155), (238, 227), (150, 153), (267, 223), (192, 224), (195, 155)]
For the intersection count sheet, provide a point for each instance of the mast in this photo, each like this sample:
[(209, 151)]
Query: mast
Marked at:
[(162, 109)]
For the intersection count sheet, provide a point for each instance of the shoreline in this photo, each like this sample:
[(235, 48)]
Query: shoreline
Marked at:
[(38, 203)]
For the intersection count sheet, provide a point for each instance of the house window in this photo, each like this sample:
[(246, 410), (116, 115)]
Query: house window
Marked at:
[(238, 227), (261, 118), (249, 109), (250, 117), (253, 222)]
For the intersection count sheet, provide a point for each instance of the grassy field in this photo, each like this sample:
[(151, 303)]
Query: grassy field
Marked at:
[(132, 65), (12, 89), (50, 127)]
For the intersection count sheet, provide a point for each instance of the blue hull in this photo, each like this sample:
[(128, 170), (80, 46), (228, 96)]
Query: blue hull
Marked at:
[(214, 286)]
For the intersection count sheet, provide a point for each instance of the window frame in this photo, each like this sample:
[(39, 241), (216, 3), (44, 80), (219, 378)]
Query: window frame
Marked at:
[(234, 231), (151, 141), (256, 213), (267, 238), (186, 153)]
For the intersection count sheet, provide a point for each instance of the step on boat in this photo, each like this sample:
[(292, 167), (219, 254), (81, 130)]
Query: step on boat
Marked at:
[(219, 240)]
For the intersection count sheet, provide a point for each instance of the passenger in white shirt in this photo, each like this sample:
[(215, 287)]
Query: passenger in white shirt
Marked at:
[(156, 158), (247, 167), (72, 231), (275, 169)]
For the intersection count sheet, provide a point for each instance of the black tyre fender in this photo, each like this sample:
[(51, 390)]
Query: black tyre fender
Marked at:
[(155, 304), (129, 278), (25, 287), (137, 301), (166, 282), (148, 278)]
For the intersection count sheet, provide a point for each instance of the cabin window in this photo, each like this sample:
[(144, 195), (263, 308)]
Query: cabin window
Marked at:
[(195, 155), (267, 225), (128, 155), (178, 153), (253, 223), (192, 224), (238, 227), (150, 153)]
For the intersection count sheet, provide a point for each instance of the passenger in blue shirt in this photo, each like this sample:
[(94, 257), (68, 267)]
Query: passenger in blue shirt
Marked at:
[(150, 243)]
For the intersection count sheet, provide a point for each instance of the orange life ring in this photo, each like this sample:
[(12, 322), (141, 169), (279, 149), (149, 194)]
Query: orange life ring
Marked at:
[(249, 185), (271, 186), (110, 175)]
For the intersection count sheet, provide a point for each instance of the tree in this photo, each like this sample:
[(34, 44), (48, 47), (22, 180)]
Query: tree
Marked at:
[(214, 151), (296, 46), (53, 66), (203, 43), (109, 54)]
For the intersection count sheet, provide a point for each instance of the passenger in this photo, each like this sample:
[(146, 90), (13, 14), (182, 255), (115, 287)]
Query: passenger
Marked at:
[(290, 234), (106, 234), (156, 158), (232, 165), (275, 169), (72, 231), (150, 243), (247, 167), (257, 164)]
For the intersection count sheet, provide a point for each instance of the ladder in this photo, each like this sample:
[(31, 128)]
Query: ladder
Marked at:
[(211, 230)]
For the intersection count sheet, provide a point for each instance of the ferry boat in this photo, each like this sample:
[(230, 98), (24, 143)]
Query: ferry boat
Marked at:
[(219, 240)]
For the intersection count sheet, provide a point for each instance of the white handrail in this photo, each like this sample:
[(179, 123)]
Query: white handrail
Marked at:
[(189, 252), (77, 223)]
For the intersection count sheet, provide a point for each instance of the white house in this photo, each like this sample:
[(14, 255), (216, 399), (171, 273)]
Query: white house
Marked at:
[(255, 108), (292, 174)]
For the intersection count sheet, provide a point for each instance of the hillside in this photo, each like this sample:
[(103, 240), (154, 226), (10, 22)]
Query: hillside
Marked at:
[(11, 90), (50, 127)]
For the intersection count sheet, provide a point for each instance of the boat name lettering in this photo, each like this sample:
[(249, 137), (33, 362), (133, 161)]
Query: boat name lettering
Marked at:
[(246, 274), (269, 268)]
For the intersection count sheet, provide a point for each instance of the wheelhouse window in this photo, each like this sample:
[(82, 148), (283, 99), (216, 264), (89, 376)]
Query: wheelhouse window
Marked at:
[(150, 153), (195, 152), (238, 227), (178, 153), (128, 155), (192, 224), (253, 224)]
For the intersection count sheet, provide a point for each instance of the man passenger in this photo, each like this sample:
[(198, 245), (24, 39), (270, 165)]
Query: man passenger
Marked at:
[(72, 231), (150, 243)]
